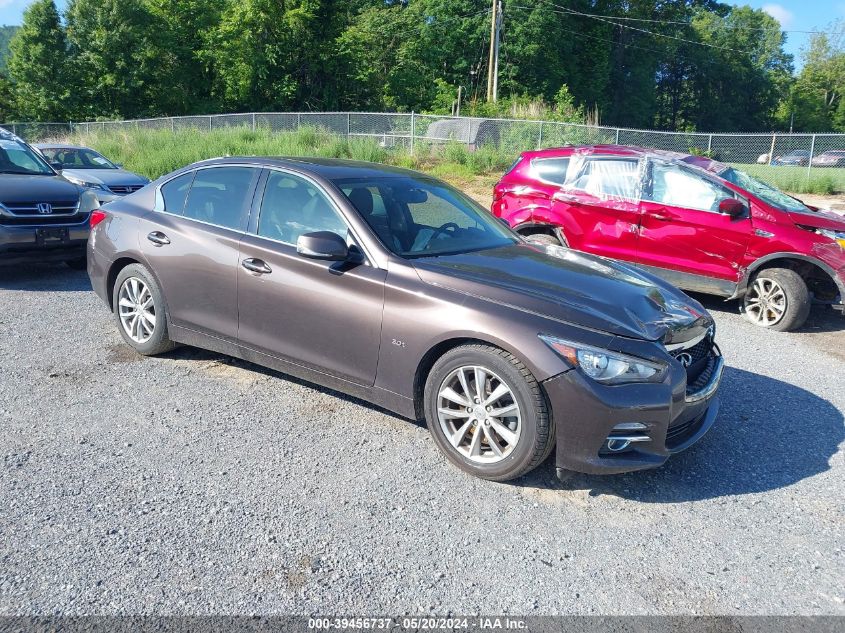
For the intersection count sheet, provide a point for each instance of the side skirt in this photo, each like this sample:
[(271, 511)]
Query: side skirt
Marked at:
[(393, 402), (693, 282)]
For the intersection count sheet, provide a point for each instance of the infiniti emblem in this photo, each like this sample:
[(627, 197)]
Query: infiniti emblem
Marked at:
[(685, 359), (45, 208)]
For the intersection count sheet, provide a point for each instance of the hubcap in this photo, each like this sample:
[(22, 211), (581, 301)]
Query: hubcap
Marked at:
[(765, 302), (478, 414), (137, 310)]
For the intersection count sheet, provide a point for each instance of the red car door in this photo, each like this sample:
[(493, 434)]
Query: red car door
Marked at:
[(598, 207), (682, 230)]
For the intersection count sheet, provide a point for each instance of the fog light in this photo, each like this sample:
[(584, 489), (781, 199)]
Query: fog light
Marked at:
[(616, 445), (624, 434)]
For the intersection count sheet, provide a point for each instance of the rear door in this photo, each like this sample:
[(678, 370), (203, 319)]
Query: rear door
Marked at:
[(683, 230), (323, 315), (599, 205), (191, 242)]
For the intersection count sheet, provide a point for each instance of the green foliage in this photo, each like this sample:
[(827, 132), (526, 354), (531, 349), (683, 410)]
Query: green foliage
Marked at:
[(6, 34), (38, 66), (725, 70)]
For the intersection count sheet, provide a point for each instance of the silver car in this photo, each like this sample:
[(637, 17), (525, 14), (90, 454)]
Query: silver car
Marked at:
[(88, 168)]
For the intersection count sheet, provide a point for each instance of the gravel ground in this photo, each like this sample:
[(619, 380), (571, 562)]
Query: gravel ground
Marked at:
[(196, 484)]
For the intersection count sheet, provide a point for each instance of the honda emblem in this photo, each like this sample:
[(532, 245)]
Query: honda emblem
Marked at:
[(45, 208)]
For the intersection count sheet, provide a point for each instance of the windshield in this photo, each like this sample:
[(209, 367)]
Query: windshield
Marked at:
[(421, 217), (769, 194), (75, 158), (19, 158)]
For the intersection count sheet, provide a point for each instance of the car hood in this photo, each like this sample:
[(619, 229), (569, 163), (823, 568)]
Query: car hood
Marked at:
[(106, 177), (821, 219), (572, 287), (16, 188)]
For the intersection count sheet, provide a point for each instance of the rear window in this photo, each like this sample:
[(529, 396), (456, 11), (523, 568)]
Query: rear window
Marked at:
[(551, 170)]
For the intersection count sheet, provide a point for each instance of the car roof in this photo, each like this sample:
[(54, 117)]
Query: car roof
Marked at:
[(328, 168), (58, 146), (632, 151)]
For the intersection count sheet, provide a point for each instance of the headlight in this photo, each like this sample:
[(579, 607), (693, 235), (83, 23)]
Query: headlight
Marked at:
[(836, 236), (88, 202), (604, 366), (87, 185)]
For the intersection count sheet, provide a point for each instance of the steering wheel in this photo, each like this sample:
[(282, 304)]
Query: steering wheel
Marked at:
[(438, 231)]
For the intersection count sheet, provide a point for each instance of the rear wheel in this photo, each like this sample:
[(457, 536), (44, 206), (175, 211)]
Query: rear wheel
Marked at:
[(486, 413), (777, 299), (138, 308)]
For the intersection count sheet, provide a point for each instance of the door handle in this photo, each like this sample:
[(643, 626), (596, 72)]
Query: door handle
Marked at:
[(256, 266), (662, 218), (158, 238)]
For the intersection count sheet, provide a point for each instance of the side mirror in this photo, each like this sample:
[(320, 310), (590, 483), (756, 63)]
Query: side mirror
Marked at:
[(323, 245), (732, 207), (57, 166)]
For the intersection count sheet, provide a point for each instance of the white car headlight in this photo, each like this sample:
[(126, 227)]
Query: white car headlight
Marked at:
[(87, 185), (604, 366)]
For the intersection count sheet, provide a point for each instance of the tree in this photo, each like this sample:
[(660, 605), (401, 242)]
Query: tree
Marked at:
[(38, 65), (816, 96)]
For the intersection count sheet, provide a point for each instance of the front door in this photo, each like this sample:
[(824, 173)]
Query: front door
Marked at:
[(683, 230), (323, 315)]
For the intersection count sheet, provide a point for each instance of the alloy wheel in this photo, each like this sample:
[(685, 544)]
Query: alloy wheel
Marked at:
[(137, 310), (765, 302), (479, 415)]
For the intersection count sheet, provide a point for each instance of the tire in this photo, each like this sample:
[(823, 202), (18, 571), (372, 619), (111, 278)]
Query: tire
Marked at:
[(79, 263), (148, 343), (523, 439), (543, 238), (777, 299)]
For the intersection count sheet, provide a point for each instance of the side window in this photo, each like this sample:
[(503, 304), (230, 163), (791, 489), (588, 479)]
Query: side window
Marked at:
[(219, 195), (174, 193), (292, 206), (609, 178), (677, 187), (551, 170)]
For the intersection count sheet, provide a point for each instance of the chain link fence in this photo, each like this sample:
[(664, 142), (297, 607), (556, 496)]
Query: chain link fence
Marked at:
[(795, 162)]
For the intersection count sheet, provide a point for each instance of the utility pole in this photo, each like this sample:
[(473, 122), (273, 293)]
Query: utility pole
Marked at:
[(493, 67)]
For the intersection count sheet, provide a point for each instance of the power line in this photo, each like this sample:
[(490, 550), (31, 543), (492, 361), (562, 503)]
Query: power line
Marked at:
[(633, 28), (623, 44), (687, 23)]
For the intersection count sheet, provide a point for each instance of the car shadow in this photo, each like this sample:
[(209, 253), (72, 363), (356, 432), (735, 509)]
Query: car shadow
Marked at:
[(769, 434), (43, 278), (822, 318)]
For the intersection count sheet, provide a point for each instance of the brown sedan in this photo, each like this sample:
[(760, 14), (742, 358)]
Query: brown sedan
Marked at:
[(396, 288)]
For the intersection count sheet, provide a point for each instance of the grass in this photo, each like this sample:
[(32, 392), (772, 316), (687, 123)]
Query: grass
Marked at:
[(154, 153), (157, 152)]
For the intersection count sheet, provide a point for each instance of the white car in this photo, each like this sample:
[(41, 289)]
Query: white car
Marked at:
[(88, 168)]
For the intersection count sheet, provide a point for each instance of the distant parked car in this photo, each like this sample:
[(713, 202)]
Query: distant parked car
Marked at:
[(832, 158), (701, 225), (43, 217), (90, 169), (796, 157), (393, 286)]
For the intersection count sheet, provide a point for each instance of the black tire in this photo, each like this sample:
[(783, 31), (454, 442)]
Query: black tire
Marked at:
[(543, 238), (158, 342), (79, 263), (536, 438), (796, 302)]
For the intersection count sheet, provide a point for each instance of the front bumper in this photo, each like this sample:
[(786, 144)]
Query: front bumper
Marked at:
[(37, 243), (675, 417)]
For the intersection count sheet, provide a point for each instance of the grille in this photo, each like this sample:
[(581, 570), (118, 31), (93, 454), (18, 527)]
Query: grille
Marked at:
[(43, 220), (680, 432), (700, 355), (125, 189), (29, 209)]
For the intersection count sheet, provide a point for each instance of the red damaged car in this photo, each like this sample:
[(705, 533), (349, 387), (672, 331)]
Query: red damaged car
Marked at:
[(702, 225)]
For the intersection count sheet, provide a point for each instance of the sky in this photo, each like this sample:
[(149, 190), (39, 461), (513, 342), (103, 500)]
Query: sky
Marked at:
[(799, 15)]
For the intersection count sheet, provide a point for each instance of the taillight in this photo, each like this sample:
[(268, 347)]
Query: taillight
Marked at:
[(97, 216)]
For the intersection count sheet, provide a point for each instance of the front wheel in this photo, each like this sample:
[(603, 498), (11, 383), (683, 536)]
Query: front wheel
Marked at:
[(138, 307), (487, 413), (777, 299)]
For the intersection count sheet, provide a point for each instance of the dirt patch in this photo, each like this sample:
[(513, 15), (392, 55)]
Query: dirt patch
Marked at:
[(122, 354)]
